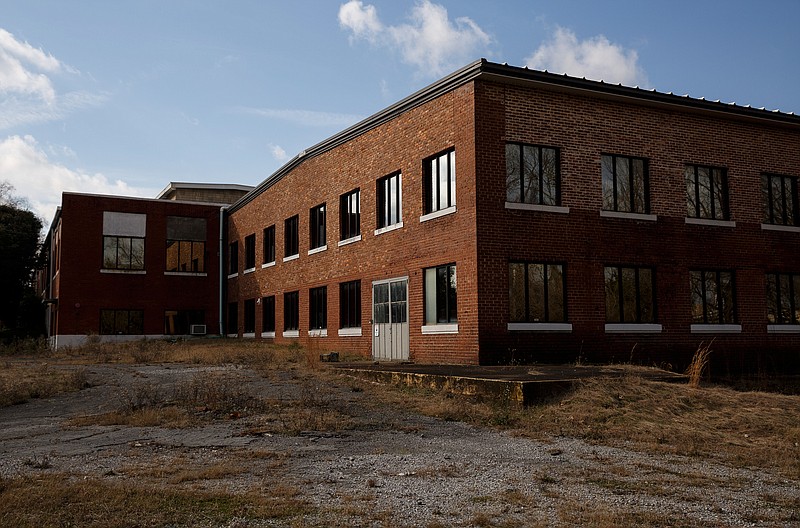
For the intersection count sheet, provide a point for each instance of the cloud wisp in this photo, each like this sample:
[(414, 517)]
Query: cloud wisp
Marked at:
[(596, 58), (431, 43)]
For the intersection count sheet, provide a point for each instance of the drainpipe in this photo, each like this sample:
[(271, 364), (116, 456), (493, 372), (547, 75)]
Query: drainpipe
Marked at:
[(221, 263)]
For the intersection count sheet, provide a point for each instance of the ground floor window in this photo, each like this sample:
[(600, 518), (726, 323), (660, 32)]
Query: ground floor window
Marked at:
[(180, 322), (122, 322), (713, 300), (350, 304), (291, 311), (268, 314), (440, 295), (249, 316), (233, 318), (630, 296), (536, 292), (783, 298)]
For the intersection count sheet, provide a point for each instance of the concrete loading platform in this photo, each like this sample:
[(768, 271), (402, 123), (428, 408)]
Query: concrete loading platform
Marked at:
[(519, 384)]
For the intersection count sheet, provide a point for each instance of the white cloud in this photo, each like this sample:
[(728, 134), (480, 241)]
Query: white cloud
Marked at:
[(303, 117), (278, 152), (26, 166), (431, 42), (595, 58)]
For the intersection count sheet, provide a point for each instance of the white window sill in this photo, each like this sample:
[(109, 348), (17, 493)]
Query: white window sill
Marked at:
[(778, 227), (268, 264), (783, 329), (436, 214), (320, 332), (386, 229), (124, 272), (248, 270), (349, 332), (233, 275), (346, 241), (440, 329), (540, 327), (291, 257), (185, 274), (318, 249), (291, 333), (536, 207), (633, 328), (710, 222), (716, 329), (268, 335), (629, 216), (249, 334), (231, 335)]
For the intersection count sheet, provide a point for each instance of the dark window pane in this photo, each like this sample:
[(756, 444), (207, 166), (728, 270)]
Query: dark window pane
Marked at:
[(516, 294)]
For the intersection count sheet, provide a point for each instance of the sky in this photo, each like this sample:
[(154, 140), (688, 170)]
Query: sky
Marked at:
[(123, 96)]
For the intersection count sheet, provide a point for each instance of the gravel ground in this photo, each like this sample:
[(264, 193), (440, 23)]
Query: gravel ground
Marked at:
[(388, 466)]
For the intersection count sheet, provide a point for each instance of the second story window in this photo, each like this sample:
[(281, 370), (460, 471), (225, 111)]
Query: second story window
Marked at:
[(316, 223), (123, 241), (186, 246), (532, 175), (439, 191), (269, 244), (250, 252), (706, 192), (233, 258), (780, 199), (291, 241), (625, 184), (350, 215), (390, 200)]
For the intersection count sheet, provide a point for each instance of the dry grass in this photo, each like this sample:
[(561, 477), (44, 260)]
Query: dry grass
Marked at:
[(22, 381), (699, 364)]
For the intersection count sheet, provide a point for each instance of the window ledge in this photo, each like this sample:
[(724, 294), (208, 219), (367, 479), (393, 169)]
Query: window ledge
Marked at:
[(185, 274), (350, 332), (291, 257), (440, 329), (386, 229), (540, 327), (633, 328), (249, 334), (268, 335), (124, 272), (436, 214), (233, 275), (716, 329), (249, 270), (783, 329), (231, 335), (318, 249), (318, 332), (629, 216), (350, 240), (778, 227), (537, 207), (710, 222), (268, 264), (291, 333)]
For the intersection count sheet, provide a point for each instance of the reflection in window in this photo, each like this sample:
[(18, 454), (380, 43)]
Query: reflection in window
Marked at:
[(350, 215), (122, 322), (536, 293), (713, 299), (706, 192), (123, 253), (624, 184), (630, 296), (390, 200), (317, 227), (439, 190), (186, 245), (532, 175), (440, 295), (780, 199), (783, 298)]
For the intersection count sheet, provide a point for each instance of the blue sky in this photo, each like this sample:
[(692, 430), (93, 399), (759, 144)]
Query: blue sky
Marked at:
[(125, 96)]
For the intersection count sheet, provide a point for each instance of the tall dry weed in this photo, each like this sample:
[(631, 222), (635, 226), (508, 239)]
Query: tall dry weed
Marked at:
[(699, 363)]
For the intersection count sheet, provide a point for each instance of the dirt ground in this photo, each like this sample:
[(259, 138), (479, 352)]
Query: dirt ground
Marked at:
[(385, 465)]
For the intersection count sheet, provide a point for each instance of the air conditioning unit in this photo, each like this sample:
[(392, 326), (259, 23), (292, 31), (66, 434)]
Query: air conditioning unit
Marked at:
[(197, 329)]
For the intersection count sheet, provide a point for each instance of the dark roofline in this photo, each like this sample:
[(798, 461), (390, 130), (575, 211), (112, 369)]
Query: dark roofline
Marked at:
[(491, 71)]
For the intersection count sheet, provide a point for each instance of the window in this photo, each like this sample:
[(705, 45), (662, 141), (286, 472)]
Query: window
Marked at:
[(250, 252), (536, 292), (532, 174), (390, 200), (179, 322), (233, 318), (350, 215), (233, 258), (439, 191), (783, 298), (712, 297), (706, 192), (291, 242), (780, 203), (350, 304), (249, 316), (268, 314), (122, 322), (291, 311), (123, 241), (440, 295), (630, 296), (269, 244), (318, 308), (625, 184), (186, 244), (317, 227)]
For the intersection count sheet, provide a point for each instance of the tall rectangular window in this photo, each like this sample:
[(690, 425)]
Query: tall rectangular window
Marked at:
[(625, 184), (390, 200), (630, 296), (186, 246), (779, 194), (318, 308), (350, 215), (713, 300), (233, 318), (268, 314), (291, 241), (179, 322), (249, 316), (291, 311), (316, 224), (250, 252), (439, 175), (350, 304), (537, 292), (233, 257), (123, 240), (122, 322), (706, 192), (440, 295), (532, 174), (783, 298), (269, 244)]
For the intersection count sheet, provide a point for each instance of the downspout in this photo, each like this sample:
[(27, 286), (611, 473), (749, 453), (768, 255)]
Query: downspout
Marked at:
[(221, 262)]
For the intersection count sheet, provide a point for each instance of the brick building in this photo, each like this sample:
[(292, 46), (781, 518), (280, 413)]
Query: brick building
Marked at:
[(504, 214)]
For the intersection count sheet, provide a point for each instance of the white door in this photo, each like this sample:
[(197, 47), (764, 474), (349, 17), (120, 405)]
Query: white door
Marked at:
[(390, 320)]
